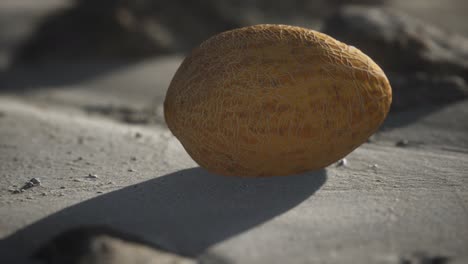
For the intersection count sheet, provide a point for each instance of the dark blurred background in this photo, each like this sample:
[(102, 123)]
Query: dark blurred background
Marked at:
[(421, 44)]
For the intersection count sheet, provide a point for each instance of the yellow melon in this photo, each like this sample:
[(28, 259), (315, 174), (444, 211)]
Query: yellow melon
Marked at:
[(271, 100)]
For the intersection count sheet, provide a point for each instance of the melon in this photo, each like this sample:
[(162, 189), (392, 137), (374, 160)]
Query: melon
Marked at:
[(274, 100)]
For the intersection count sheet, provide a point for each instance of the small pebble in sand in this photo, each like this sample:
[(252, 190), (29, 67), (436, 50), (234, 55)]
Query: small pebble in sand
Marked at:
[(138, 135), (92, 176), (62, 187), (35, 181), (31, 183), (133, 158), (99, 192), (131, 170), (402, 143), (76, 180), (342, 163), (374, 166)]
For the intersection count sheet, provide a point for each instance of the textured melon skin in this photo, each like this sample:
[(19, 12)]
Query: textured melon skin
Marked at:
[(272, 100)]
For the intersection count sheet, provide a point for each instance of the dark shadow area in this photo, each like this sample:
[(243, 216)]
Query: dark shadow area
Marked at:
[(138, 29), (110, 29), (184, 212)]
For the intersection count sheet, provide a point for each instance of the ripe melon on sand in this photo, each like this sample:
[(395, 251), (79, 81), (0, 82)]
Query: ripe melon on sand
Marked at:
[(271, 100)]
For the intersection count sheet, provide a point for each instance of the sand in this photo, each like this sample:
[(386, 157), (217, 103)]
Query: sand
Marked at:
[(387, 204)]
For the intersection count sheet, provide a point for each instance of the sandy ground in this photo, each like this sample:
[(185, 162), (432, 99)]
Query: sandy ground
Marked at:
[(387, 204)]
